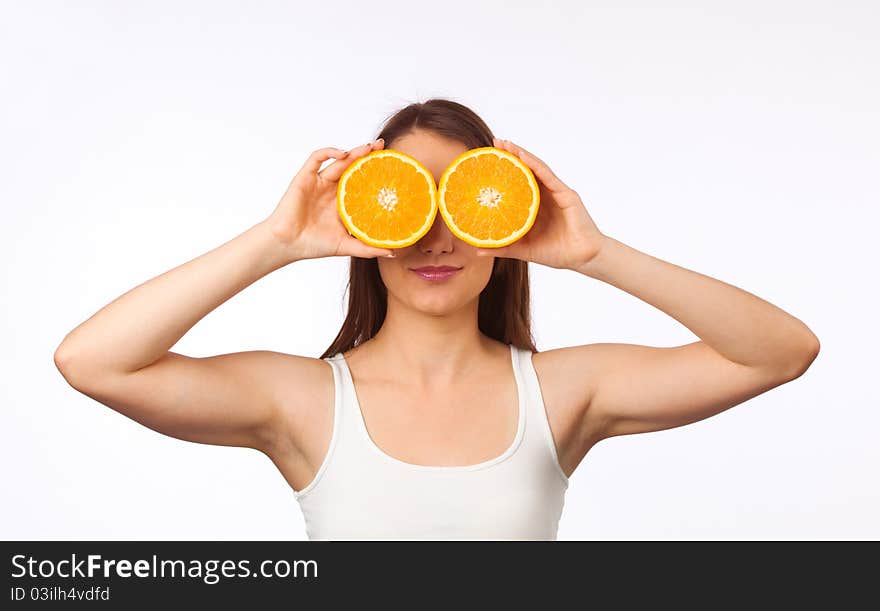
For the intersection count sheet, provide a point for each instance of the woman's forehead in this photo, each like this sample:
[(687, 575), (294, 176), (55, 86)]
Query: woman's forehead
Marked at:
[(434, 151)]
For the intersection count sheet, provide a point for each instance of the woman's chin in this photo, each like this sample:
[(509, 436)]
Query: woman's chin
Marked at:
[(435, 305)]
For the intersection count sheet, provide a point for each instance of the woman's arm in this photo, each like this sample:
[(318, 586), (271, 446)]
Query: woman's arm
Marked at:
[(120, 356), (747, 346)]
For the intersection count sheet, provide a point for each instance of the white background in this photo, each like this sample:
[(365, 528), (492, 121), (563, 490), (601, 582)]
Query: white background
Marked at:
[(738, 139)]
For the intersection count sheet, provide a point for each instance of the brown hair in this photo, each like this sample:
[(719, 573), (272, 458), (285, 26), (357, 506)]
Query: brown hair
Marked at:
[(504, 310)]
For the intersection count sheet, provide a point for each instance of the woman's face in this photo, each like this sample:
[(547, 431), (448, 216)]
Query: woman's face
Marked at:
[(437, 247)]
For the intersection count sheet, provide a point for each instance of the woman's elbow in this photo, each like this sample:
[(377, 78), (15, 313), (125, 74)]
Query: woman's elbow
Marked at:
[(805, 356)]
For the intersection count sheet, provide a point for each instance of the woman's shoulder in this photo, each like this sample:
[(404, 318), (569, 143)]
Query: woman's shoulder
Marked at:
[(300, 379), (565, 373)]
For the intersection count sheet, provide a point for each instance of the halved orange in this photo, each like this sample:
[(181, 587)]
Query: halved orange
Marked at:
[(387, 199), (488, 197)]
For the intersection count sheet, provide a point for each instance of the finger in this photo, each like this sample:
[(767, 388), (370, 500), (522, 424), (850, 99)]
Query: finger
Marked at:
[(334, 171), (356, 248), (541, 169), (518, 249), (504, 251), (313, 163)]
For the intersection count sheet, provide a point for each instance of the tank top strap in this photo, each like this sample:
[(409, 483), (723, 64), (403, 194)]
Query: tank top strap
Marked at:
[(538, 434), (345, 402)]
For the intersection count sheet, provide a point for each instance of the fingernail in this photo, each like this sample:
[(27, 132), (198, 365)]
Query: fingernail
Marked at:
[(378, 140)]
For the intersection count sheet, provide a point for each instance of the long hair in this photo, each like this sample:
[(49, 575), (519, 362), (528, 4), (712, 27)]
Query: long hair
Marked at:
[(504, 309)]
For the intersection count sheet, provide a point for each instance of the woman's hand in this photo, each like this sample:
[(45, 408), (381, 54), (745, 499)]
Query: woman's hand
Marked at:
[(306, 220), (563, 236)]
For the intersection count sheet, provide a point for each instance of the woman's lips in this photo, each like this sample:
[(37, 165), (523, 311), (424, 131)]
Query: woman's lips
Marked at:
[(436, 274)]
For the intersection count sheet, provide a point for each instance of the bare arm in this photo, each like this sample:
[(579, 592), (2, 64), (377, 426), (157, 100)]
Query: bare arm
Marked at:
[(121, 355), (747, 346)]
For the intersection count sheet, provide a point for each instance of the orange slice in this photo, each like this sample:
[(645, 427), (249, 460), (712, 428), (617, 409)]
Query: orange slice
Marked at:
[(387, 199), (488, 197)]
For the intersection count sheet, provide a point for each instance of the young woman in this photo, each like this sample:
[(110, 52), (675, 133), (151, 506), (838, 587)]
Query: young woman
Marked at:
[(431, 415)]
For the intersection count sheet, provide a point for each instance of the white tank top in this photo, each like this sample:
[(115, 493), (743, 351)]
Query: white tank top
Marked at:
[(360, 492)]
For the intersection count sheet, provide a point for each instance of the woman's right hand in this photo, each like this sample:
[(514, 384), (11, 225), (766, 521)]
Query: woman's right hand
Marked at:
[(306, 220)]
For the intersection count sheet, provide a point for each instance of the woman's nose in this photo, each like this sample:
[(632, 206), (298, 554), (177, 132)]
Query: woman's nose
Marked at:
[(438, 239)]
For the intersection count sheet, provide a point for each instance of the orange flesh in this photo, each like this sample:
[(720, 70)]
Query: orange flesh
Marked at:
[(387, 199), (488, 198)]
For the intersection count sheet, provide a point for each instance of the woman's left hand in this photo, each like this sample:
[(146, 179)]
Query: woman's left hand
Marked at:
[(563, 235)]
